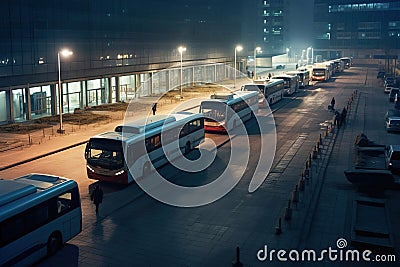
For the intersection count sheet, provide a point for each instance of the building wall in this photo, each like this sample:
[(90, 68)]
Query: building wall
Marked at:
[(109, 34), (358, 25)]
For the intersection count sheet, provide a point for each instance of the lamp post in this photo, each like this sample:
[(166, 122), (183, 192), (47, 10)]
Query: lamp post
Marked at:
[(181, 49), (257, 49), (64, 53), (238, 48)]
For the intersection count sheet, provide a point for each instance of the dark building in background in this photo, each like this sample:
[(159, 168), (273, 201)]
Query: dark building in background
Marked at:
[(117, 46), (360, 28), (102, 33), (273, 29)]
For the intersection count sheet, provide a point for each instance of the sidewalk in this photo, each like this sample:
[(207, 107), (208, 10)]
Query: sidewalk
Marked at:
[(18, 151), (334, 215)]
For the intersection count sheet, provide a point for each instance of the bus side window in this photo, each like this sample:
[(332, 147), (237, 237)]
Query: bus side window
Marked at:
[(64, 203)]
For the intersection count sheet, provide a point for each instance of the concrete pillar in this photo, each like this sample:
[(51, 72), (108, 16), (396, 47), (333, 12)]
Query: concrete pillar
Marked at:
[(151, 91), (53, 99), (168, 79), (117, 89), (86, 95), (109, 88), (10, 106), (28, 103)]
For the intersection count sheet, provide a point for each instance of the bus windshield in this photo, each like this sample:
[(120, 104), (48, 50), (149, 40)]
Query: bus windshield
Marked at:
[(213, 110), (319, 72), (105, 153)]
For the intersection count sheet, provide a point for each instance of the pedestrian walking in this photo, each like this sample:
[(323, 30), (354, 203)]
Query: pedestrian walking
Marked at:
[(269, 75), (343, 117), (154, 108), (337, 119), (333, 103), (97, 197)]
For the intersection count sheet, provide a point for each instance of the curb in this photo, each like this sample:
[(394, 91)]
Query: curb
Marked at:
[(42, 156)]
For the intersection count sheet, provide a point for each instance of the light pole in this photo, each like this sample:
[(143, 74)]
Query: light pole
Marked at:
[(238, 48), (181, 49), (257, 49), (64, 53)]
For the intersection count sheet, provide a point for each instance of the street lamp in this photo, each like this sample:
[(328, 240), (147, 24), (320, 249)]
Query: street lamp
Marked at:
[(181, 49), (238, 48), (64, 53), (257, 49)]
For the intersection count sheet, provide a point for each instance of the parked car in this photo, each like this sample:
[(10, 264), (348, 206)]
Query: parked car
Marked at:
[(393, 157), (381, 75), (397, 101), (389, 81), (393, 93), (392, 120)]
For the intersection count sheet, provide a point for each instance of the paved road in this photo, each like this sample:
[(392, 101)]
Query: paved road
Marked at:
[(135, 230), (145, 232)]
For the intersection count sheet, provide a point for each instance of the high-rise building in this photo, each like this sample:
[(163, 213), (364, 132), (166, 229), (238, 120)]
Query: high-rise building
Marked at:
[(360, 28), (273, 26)]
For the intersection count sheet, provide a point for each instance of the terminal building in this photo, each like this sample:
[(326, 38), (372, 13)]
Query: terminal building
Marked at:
[(359, 29), (117, 47)]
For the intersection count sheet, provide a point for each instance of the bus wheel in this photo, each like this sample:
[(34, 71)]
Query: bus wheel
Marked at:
[(187, 147), (146, 169), (54, 244)]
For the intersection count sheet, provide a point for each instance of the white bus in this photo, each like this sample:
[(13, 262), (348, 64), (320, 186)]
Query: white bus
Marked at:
[(271, 91), (320, 73), (303, 76), (308, 68), (347, 62), (38, 214), (105, 158), (291, 83), (218, 110)]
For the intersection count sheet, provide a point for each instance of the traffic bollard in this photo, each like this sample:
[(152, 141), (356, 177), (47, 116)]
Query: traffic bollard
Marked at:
[(278, 229), (288, 212), (236, 262)]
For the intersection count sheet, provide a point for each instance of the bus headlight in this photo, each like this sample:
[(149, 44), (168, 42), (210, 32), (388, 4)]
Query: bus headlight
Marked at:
[(90, 168), (119, 173)]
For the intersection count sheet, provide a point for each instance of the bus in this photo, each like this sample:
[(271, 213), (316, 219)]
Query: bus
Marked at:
[(270, 91), (291, 83), (339, 65), (303, 77), (146, 143), (38, 214), (218, 114), (308, 68), (346, 62), (320, 73)]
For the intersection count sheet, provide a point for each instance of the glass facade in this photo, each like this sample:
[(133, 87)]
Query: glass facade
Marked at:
[(356, 24)]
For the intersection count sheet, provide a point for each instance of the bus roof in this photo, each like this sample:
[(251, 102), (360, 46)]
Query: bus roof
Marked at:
[(233, 97), (17, 193), (274, 81), (136, 129), (285, 76), (145, 124)]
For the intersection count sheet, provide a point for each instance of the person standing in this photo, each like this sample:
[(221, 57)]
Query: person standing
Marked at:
[(343, 117), (154, 108), (333, 103), (97, 197)]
